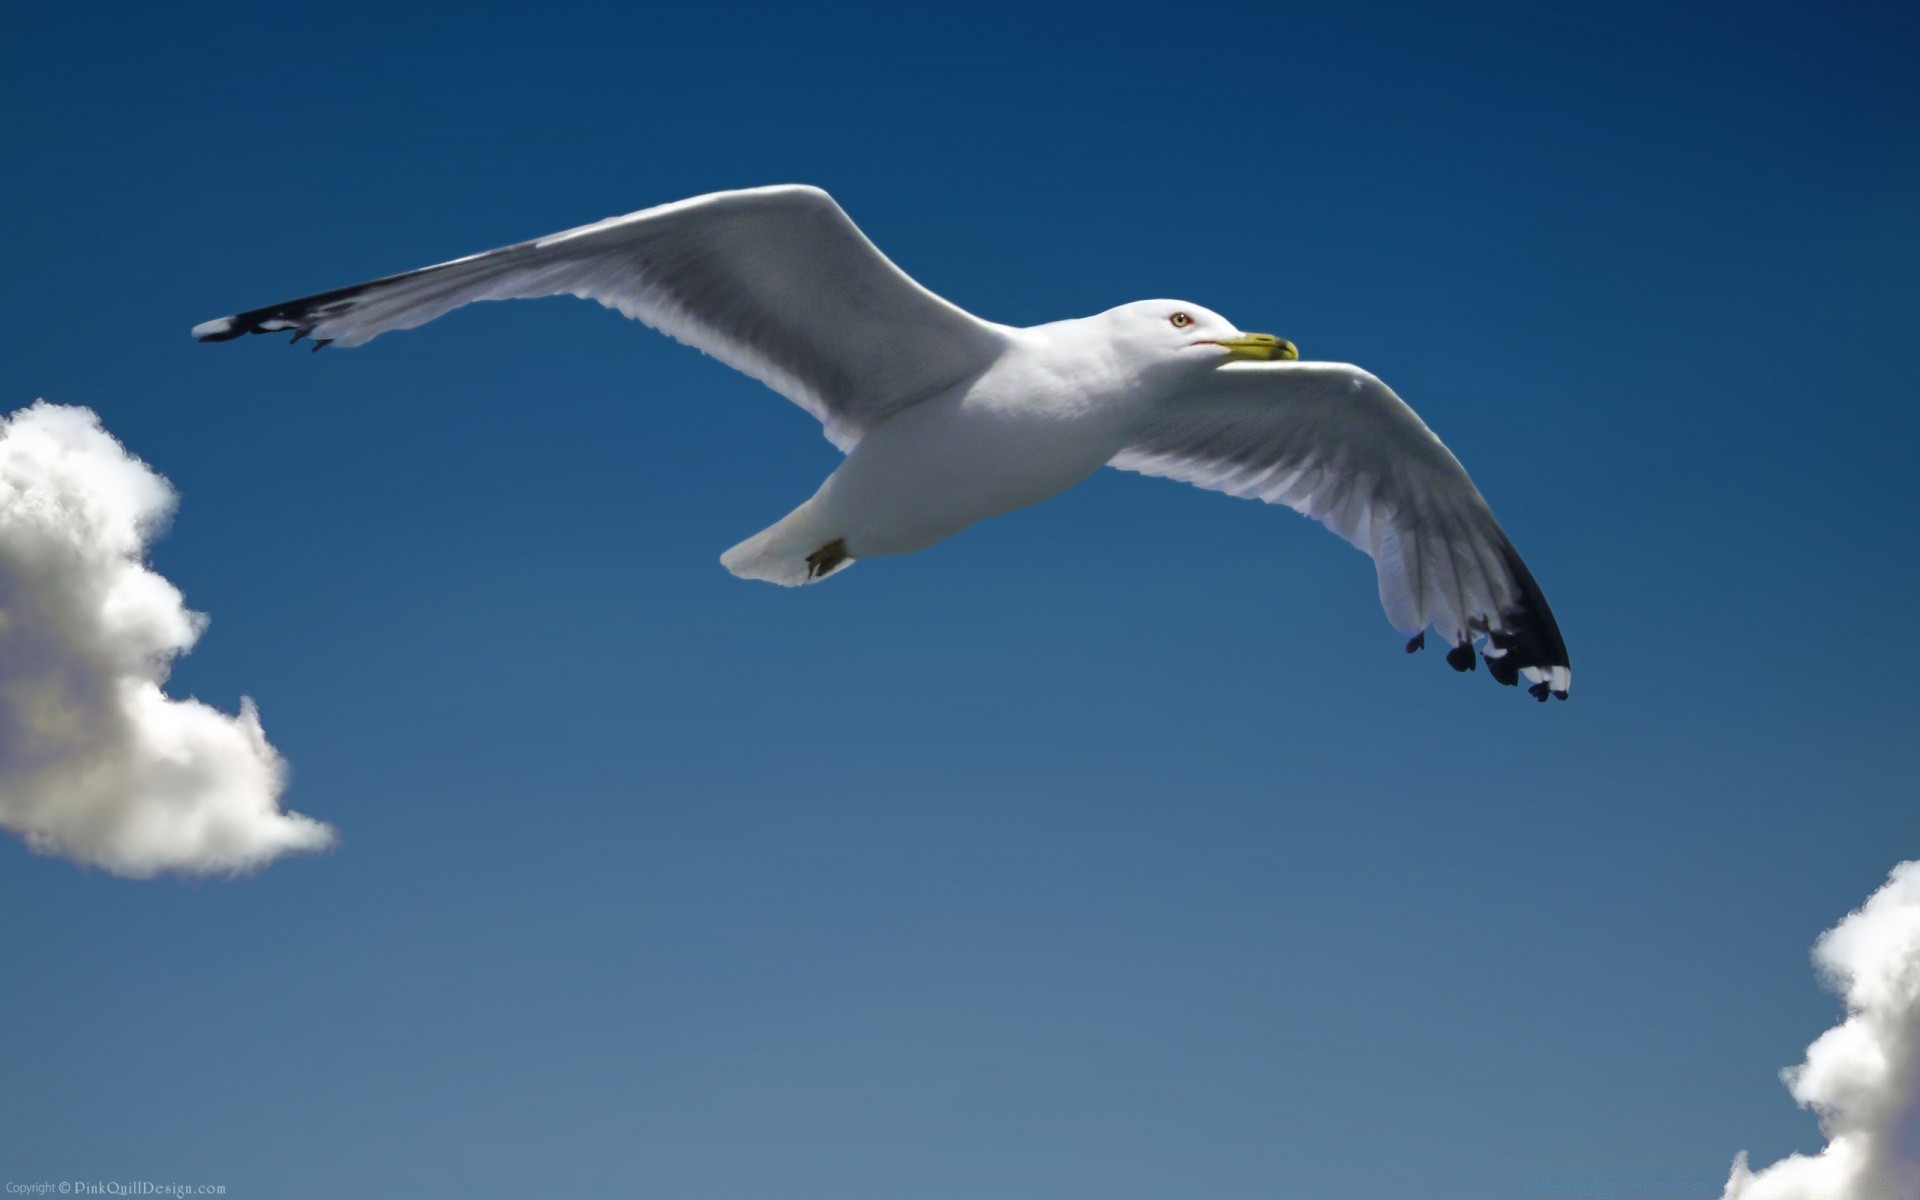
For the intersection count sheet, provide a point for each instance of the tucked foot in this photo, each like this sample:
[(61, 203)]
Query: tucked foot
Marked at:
[(826, 558)]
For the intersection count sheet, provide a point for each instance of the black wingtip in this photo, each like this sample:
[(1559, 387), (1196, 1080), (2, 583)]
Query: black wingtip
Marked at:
[(220, 333), (1502, 668), (1528, 639), (298, 317), (1523, 640)]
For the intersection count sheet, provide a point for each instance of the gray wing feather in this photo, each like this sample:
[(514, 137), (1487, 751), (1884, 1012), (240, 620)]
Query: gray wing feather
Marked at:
[(775, 282), (1333, 442)]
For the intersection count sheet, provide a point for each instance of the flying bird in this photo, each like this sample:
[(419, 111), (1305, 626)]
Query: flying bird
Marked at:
[(946, 418)]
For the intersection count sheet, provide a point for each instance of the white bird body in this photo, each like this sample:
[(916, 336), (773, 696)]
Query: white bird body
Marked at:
[(947, 419), (1055, 407)]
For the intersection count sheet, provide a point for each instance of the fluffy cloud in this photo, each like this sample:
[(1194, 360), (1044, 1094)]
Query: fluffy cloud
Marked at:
[(97, 763), (1862, 1076)]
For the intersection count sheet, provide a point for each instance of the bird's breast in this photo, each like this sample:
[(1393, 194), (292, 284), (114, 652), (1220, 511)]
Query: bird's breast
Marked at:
[(1002, 444)]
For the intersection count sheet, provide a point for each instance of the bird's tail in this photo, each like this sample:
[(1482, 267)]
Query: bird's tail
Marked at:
[(799, 548)]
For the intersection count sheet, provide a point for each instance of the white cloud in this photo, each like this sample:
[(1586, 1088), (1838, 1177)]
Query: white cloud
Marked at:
[(1863, 1076), (97, 763)]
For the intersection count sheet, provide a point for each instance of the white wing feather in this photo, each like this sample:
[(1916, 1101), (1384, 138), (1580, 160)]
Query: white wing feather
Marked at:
[(1333, 442), (776, 282)]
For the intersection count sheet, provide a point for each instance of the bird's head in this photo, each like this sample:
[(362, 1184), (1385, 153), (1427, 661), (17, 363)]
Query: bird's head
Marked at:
[(1174, 331)]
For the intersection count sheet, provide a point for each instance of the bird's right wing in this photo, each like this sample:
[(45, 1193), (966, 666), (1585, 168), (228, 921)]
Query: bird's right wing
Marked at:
[(1333, 442), (776, 282)]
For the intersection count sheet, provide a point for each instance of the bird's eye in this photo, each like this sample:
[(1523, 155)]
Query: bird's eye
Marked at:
[(1181, 320)]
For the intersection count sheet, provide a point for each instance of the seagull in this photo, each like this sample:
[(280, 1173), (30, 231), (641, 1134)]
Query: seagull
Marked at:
[(946, 418)]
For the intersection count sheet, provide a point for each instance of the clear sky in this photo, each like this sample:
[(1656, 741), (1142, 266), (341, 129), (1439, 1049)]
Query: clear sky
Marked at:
[(1110, 850)]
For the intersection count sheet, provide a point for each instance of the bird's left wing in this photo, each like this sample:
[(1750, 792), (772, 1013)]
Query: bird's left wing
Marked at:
[(1333, 442), (775, 282)]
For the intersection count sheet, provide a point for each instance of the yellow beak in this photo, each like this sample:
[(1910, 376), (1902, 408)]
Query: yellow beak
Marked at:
[(1262, 346)]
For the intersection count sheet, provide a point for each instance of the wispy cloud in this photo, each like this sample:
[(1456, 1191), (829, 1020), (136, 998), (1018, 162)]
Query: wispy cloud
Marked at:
[(97, 763), (1862, 1076)]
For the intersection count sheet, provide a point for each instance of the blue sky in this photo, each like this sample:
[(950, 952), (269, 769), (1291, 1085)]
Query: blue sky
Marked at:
[(1111, 849)]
